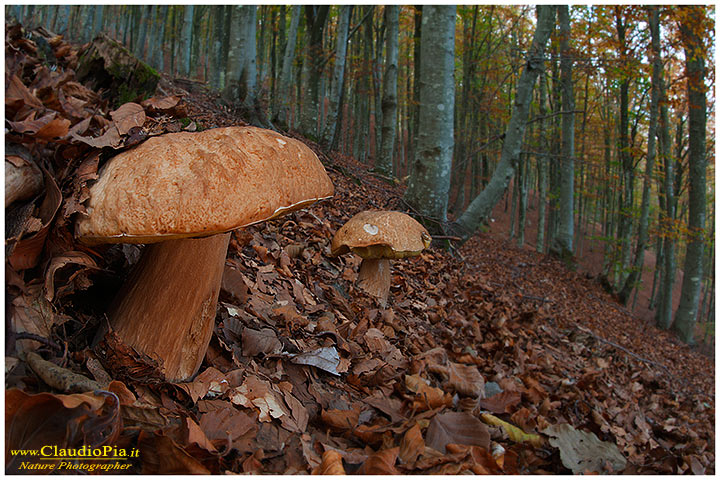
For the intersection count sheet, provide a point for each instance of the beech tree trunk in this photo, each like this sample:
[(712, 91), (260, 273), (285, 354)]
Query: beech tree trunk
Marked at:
[(328, 134), (663, 315), (686, 315), (384, 163), (481, 206), (563, 241), (241, 84), (429, 182), (284, 88), (186, 40), (631, 280), (315, 19), (542, 167)]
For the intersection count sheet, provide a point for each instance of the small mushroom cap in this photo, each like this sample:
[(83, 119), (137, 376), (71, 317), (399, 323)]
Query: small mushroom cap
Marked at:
[(381, 234), (199, 184)]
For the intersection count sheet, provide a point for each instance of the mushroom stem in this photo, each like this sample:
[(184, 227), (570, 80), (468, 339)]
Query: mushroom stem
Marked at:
[(166, 309), (374, 278)]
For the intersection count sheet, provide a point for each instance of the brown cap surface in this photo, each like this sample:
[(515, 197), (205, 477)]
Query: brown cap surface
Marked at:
[(196, 184), (381, 234)]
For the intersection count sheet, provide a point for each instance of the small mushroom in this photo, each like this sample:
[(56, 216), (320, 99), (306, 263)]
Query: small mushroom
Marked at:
[(379, 236), (177, 186)]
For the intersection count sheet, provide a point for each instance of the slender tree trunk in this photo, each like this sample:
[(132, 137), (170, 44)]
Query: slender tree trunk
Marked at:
[(481, 206), (429, 182), (285, 87), (542, 166), (63, 19), (315, 19), (241, 71), (217, 14), (667, 279), (328, 134), (384, 162), (632, 278), (686, 314), (626, 158), (98, 19), (186, 40), (563, 245), (145, 19), (415, 98)]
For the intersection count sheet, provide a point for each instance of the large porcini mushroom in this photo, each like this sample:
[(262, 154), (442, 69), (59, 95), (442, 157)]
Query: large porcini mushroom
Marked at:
[(181, 185), (379, 236)]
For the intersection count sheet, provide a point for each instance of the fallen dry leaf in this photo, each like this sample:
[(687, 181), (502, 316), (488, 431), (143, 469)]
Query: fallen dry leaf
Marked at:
[(127, 116), (412, 445), (380, 463), (331, 464), (60, 378), (515, 433), (583, 452), (324, 358), (456, 427)]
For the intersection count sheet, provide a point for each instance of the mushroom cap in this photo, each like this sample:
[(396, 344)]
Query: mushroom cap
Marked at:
[(381, 234), (199, 184)]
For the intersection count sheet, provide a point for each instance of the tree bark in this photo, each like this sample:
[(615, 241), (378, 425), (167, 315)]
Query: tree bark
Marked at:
[(542, 166), (429, 182), (186, 40), (626, 158), (241, 85), (315, 19), (384, 163), (563, 244), (481, 206), (631, 280), (663, 316), (686, 315), (284, 88), (328, 134)]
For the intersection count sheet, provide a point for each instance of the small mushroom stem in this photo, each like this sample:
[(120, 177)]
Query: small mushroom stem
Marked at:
[(166, 309), (374, 278)]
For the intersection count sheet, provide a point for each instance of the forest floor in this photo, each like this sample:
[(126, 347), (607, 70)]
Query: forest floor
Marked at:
[(488, 359), (591, 263)]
